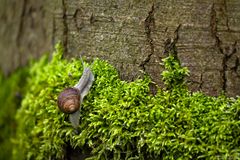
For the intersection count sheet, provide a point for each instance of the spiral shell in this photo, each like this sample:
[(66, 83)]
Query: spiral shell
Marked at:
[(69, 100)]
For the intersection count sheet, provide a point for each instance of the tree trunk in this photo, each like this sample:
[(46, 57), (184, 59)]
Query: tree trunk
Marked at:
[(132, 35)]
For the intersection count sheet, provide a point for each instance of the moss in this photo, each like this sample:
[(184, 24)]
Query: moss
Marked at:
[(123, 120), (11, 92)]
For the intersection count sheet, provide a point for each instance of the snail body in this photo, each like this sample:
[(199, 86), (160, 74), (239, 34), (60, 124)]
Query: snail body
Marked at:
[(71, 98), (85, 82)]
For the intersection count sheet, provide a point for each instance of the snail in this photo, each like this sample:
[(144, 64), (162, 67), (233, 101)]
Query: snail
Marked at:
[(71, 98)]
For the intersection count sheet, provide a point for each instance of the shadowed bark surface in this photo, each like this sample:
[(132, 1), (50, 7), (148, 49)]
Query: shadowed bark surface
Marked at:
[(25, 32), (132, 35)]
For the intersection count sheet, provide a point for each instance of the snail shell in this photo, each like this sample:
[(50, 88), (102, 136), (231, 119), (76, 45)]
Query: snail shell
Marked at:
[(69, 100)]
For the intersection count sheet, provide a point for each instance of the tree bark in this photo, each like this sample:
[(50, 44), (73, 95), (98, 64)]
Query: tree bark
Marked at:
[(132, 35), (25, 32)]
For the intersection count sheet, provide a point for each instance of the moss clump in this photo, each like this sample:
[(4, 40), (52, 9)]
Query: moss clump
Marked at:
[(122, 120), (11, 92)]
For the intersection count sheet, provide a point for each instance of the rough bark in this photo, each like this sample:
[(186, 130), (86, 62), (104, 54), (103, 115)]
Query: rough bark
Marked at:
[(132, 35), (25, 29)]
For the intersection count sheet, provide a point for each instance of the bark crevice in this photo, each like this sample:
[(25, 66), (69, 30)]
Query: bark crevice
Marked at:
[(225, 13), (78, 26), (65, 27), (20, 28), (218, 45), (201, 81), (227, 51), (149, 25), (53, 30), (170, 44)]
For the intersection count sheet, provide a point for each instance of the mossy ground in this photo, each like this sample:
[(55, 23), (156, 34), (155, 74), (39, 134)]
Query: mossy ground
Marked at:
[(123, 120)]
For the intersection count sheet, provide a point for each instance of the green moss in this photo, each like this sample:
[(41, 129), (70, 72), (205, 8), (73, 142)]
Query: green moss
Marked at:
[(122, 120), (11, 92)]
